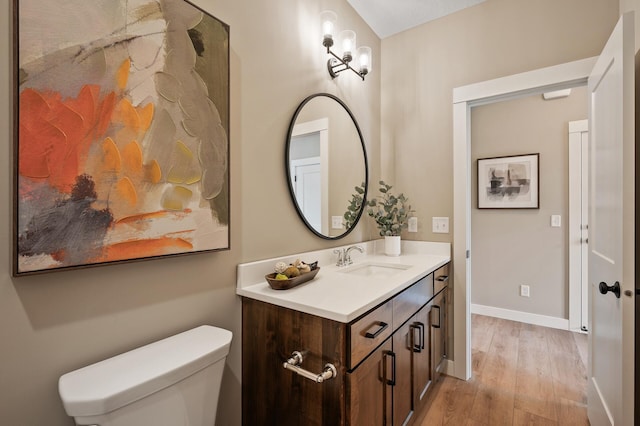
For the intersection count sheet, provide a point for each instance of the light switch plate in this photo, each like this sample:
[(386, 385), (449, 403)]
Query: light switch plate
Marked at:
[(440, 225), (413, 224), (336, 222), (556, 220)]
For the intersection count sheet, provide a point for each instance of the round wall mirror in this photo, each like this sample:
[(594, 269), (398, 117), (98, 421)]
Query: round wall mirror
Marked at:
[(326, 164)]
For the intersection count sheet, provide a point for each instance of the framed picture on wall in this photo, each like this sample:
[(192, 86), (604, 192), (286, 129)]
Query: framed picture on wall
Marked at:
[(121, 132), (510, 182)]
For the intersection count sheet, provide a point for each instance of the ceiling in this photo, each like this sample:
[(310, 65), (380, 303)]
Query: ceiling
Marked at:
[(388, 17)]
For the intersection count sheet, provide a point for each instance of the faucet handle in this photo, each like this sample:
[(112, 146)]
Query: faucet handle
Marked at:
[(340, 254)]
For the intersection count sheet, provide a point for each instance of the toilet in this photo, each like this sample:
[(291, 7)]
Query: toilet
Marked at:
[(172, 382)]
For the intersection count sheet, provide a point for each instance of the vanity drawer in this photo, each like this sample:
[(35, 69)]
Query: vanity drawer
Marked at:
[(441, 278), (411, 300), (369, 332)]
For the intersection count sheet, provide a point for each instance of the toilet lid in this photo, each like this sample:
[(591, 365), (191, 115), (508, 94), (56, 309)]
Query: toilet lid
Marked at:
[(110, 384)]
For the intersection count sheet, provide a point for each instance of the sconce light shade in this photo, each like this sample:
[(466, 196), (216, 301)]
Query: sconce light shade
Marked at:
[(364, 60), (348, 40), (328, 19)]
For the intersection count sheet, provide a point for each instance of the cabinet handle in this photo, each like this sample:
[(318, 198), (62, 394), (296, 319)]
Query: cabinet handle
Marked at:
[(382, 326), (392, 354), (420, 346), (443, 278), (439, 318)]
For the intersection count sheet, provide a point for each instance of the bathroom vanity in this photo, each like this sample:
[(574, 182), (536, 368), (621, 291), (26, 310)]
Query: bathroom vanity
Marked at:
[(381, 323)]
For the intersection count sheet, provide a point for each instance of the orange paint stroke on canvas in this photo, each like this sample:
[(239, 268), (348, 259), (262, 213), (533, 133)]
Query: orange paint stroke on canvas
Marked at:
[(186, 231), (143, 248), (134, 118), (151, 215), (132, 158), (126, 191), (146, 115), (111, 159), (127, 115), (122, 77), (153, 173), (56, 133)]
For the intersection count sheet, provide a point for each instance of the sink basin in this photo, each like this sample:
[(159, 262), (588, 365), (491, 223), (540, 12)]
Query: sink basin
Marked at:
[(375, 269)]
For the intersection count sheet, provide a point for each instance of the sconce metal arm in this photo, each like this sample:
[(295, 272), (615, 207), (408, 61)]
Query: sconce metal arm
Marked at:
[(334, 64)]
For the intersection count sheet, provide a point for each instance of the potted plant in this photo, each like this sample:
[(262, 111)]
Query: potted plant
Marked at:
[(391, 214)]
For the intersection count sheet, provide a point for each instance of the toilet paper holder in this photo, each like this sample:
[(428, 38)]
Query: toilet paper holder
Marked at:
[(296, 359)]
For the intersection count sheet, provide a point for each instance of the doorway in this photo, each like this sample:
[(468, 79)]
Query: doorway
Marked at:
[(510, 244), (309, 157), (563, 76)]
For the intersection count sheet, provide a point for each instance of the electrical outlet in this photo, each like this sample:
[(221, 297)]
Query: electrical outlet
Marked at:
[(336, 222), (524, 290), (413, 224), (440, 225)]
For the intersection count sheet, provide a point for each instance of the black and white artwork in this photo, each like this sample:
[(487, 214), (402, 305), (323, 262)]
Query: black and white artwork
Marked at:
[(509, 182)]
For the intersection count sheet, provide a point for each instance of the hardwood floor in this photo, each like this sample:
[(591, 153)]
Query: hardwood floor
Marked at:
[(522, 375)]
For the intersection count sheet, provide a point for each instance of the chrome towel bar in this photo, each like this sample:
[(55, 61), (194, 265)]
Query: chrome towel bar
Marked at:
[(296, 359)]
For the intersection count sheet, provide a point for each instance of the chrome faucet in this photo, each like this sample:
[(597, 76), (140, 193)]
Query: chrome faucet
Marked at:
[(347, 257), (344, 258)]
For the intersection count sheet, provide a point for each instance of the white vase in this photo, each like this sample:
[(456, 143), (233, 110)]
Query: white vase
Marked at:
[(392, 245)]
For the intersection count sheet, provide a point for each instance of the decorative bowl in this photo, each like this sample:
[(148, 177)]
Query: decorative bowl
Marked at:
[(291, 282)]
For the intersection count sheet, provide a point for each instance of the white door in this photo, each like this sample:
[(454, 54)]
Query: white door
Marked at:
[(611, 230), (308, 190)]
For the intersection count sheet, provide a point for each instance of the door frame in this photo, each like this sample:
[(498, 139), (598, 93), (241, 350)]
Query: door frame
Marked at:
[(564, 76), (578, 210)]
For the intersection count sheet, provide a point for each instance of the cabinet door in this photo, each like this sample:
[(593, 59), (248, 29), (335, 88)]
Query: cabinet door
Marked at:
[(421, 362), (437, 336), (445, 321), (369, 388), (402, 401)]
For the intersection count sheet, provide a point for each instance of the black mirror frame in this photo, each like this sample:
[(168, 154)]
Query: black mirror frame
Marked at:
[(287, 159)]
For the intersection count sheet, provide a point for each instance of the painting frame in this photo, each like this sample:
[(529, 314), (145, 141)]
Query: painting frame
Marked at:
[(120, 187), (509, 182)]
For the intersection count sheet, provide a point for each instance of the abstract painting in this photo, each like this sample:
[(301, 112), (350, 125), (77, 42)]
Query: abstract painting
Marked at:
[(509, 182), (122, 132)]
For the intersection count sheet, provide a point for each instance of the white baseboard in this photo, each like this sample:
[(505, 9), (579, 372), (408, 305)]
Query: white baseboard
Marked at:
[(525, 317)]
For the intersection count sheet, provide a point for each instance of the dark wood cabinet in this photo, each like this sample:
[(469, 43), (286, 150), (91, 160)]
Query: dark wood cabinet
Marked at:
[(402, 403), (368, 389), (440, 319), (272, 395), (421, 334), (385, 361)]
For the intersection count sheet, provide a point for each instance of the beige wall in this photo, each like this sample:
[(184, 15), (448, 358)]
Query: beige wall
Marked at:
[(54, 323), (514, 247), (421, 67)]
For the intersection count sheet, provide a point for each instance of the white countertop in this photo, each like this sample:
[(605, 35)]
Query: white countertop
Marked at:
[(341, 296)]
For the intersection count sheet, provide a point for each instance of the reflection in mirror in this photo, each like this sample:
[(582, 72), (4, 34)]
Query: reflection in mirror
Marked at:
[(326, 165)]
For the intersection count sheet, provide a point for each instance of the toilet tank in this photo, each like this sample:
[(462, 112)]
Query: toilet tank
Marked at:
[(174, 381)]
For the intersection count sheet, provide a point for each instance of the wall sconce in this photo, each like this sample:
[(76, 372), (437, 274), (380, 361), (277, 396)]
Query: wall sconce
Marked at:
[(347, 42)]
